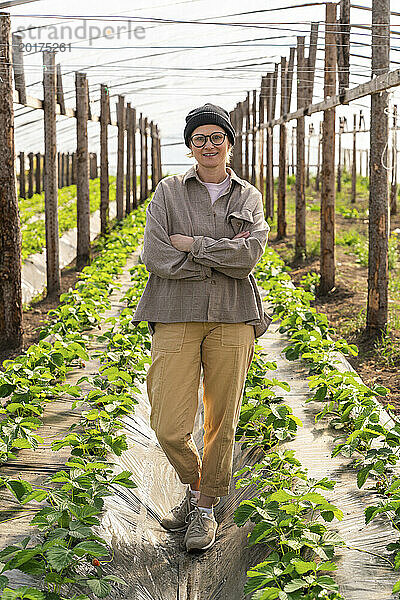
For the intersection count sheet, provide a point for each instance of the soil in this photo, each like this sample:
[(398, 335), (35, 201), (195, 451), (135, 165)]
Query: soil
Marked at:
[(345, 308)]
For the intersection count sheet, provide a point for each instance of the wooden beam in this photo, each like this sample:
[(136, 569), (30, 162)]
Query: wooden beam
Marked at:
[(377, 84)]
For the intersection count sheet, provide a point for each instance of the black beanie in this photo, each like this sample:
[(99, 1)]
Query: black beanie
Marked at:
[(207, 114)]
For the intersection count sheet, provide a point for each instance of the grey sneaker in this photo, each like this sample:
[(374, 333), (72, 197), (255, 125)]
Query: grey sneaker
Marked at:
[(200, 534), (176, 520)]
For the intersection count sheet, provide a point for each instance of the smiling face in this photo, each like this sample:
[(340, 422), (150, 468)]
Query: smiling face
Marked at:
[(210, 155)]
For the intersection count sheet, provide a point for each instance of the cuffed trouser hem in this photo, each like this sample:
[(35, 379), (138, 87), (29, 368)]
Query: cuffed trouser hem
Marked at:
[(189, 480)]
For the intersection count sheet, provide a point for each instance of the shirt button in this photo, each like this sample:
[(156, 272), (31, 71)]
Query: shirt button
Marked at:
[(212, 282)]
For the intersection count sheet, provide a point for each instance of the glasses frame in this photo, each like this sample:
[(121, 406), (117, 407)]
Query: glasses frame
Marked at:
[(208, 136)]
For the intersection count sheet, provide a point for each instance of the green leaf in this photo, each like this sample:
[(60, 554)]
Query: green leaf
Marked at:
[(362, 475), (396, 587), (100, 587), (243, 512), (267, 594), (60, 557), (3, 582), (295, 584), (90, 547), (327, 583), (302, 566), (24, 592)]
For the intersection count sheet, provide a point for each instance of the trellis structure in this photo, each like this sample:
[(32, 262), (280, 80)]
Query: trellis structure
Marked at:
[(337, 52), (60, 169)]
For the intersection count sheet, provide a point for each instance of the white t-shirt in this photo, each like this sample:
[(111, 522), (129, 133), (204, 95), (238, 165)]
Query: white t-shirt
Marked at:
[(217, 189)]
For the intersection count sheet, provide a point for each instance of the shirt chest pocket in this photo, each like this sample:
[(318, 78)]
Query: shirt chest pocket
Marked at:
[(240, 220)]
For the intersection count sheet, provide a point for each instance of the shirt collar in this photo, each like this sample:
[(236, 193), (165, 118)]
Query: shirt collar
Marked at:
[(192, 172)]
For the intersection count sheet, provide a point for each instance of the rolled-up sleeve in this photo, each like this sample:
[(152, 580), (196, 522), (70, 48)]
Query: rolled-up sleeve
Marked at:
[(159, 255), (234, 257)]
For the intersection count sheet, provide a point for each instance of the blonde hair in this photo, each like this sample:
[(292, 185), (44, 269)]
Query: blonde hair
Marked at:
[(228, 158)]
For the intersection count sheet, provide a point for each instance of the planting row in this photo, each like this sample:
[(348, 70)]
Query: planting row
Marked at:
[(70, 554), (34, 233), (366, 433), (59, 561)]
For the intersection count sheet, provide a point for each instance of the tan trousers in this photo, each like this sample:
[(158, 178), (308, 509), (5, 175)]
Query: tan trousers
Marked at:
[(178, 350)]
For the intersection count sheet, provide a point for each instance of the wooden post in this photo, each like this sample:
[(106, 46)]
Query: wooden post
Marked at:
[(10, 232), (261, 119), (281, 209), (50, 177), (69, 180), (293, 145), (104, 177), (310, 134), (300, 236), (59, 170), (159, 154), (393, 186), (60, 91), (153, 156), (62, 158), (354, 162), (133, 158), (93, 165), (74, 168), (82, 167), (343, 46), (246, 138), (241, 112), (128, 176), (318, 176), (120, 157), (254, 138), (271, 163), (38, 175), (146, 161), (18, 65), (378, 274), (31, 174), (339, 169), (327, 258), (159, 162), (22, 178), (142, 160)]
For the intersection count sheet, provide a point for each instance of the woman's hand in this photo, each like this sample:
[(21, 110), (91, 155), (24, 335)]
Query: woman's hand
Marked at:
[(244, 234), (181, 242)]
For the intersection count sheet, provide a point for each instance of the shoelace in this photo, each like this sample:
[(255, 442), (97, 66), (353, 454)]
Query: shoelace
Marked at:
[(197, 523), (179, 507)]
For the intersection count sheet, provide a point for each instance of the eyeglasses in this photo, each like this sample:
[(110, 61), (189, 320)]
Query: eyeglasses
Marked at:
[(216, 138)]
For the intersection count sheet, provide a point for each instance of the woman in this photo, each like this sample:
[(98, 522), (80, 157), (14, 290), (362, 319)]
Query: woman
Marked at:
[(205, 231)]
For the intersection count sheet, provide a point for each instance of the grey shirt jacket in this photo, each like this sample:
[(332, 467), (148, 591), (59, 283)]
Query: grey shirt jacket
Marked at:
[(212, 282)]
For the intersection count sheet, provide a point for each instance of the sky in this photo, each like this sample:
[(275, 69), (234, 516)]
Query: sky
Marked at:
[(203, 51)]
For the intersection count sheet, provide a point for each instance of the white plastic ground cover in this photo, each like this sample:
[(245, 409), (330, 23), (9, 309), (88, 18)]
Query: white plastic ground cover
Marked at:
[(154, 562), (361, 574), (34, 267)]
